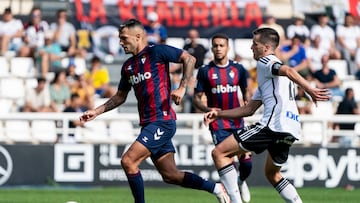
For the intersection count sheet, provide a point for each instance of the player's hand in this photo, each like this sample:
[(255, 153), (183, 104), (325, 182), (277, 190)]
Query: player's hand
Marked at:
[(88, 116), (177, 95), (318, 94), (210, 116)]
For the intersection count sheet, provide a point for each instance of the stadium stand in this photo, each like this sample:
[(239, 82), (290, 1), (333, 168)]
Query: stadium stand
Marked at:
[(44, 131)]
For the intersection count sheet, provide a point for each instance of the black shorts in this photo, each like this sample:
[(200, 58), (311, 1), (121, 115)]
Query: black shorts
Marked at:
[(257, 138)]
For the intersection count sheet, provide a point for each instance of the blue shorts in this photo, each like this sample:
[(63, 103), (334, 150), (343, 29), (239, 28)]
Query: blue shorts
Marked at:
[(156, 137), (220, 135)]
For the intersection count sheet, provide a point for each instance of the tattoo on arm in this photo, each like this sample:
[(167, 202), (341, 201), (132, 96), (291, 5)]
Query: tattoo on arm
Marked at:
[(110, 104), (188, 67)]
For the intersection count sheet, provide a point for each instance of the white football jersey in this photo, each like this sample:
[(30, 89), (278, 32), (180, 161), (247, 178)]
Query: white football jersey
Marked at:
[(277, 93)]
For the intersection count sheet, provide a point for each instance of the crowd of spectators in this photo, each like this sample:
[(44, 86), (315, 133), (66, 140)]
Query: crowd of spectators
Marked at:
[(306, 48)]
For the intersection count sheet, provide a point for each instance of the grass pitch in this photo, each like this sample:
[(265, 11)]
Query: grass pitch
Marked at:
[(165, 195)]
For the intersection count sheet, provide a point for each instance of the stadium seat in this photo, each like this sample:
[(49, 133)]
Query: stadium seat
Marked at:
[(44, 131), (4, 67), (6, 106), (22, 67), (3, 137), (18, 131), (95, 132), (355, 85), (323, 108), (7, 87), (312, 133), (177, 42), (122, 131), (340, 67), (243, 48), (80, 64)]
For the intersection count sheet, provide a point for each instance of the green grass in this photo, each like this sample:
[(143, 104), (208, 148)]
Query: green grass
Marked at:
[(166, 195)]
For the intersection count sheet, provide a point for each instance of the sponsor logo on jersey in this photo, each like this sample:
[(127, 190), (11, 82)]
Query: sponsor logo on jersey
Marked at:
[(231, 74), (136, 79), (292, 116), (224, 89)]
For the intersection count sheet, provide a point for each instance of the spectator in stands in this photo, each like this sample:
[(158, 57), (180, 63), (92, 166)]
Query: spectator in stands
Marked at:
[(34, 34), (348, 38), (73, 107), (357, 61), (295, 56), (49, 55), (85, 91), (327, 36), (64, 33), (298, 28), (303, 101), (38, 99), (71, 76), (314, 53), (155, 31), (195, 48), (59, 91), (347, 106), (327, 78), (270, 22), (98, 77), (11, 31)]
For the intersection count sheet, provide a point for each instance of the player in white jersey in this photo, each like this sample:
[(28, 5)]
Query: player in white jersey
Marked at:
[(279, 127)]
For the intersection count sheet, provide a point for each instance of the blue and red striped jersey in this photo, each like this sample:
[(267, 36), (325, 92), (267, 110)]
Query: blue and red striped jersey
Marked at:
[(148, 74), (221, 86)]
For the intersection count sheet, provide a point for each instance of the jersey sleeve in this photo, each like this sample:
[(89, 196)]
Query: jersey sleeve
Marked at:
[(124, 84), (168, 53), (244, 75), (257, 95), (200, 80)]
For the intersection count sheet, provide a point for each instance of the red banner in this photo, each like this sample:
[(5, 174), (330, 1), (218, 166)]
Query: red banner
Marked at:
[(175, 15)]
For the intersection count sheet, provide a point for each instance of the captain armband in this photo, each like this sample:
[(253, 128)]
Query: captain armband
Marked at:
[(275, 68)]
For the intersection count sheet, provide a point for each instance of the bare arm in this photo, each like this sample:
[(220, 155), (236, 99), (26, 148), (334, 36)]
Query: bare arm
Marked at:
[(113, 102), (198, 103), (243, 111), (315, 93), (188, 63)]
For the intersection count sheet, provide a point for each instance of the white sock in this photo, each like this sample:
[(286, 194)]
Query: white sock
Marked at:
[(228, 176), (288, 192)]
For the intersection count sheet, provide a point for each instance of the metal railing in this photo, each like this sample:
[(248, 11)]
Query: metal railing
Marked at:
[(189, 127)]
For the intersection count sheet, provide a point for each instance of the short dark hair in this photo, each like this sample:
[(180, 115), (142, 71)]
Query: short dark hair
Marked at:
[(41, 79), (131, 23), (74, 96), (95, 59), (268, 36), (221, 36), (7, 10)]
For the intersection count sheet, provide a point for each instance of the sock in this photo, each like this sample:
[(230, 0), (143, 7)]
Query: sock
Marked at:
[(245, 166), (136, 184), (287, 191), (228, 177), (194, 181)]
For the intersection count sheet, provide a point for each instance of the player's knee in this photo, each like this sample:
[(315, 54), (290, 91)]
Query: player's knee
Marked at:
[(126, 163), (168, 178), (216, 154), (272, 176)]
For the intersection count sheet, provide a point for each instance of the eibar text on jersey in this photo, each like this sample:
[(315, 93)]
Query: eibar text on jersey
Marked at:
[(136, 79)]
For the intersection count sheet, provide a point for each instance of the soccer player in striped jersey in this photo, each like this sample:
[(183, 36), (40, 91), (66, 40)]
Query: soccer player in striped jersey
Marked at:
[(279, 127), (224, 83), (147, 72)]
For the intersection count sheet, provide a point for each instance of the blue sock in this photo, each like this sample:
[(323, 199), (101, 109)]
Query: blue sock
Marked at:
[(136, 184), (196, 182), (245, 166)]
